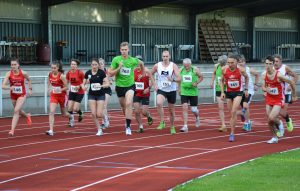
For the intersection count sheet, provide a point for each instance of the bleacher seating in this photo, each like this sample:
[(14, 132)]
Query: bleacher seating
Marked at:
[(215, 39)]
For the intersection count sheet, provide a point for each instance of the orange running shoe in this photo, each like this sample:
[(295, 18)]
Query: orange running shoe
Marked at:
[(28, 119)]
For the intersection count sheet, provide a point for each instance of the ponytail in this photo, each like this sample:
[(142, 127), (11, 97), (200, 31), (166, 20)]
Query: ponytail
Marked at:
[(59, 65)]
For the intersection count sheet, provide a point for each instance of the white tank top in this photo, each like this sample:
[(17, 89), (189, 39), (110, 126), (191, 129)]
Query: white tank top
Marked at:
[(162, 77), (250, 83), (285, 85)]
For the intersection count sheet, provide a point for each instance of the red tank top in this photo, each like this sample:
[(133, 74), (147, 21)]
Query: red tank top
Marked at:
[(17, 81), (233, 80), (57, 84), (75, 79), (274, 88), (141, 84)]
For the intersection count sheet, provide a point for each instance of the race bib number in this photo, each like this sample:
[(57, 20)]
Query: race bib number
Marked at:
[(56, 89), (74, 89), (187, 78), (233, 84), (95, 86), (165, 84), (273, 91), (139, 85), (125, 71), (17, 90)]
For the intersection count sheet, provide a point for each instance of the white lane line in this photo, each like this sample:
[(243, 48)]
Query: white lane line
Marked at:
[(182, 168), (171, 160), (107, 156), (95, 166), (58, 159)]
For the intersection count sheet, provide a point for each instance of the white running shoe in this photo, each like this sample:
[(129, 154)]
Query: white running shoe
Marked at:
[(280, 132), (273, 140), (50, 133), (184, 129), (106, 122), (71, 121), (128, 131), (100, 132), (197, 124)]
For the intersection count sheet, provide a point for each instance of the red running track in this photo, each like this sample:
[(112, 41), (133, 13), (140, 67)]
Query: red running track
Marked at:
[(76, 159)]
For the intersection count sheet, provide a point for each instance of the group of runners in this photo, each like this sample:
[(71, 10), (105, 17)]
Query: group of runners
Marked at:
[(232, 80)]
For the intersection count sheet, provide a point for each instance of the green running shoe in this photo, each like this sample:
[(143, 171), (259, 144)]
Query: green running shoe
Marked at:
[(289, 125), (150, 120), (161, 125), (172, 130)]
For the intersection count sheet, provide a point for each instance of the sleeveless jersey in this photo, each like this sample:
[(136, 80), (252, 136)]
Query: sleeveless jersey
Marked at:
[(18, 83), (162, 78), (141, 84), (250, 82), (57, 84), (187, 80), (76, 79), (285, 85), (233, 80), (218, 78), (275, 90)]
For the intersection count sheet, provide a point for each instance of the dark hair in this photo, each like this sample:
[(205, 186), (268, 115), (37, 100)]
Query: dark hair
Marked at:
[(271, 58), (15, 59), (75, 60), (95, 60), (59, 65)]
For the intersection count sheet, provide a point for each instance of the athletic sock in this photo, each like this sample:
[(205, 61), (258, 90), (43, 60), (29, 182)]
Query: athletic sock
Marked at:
[(128, 121), (79, 112), (70, 112), (287, 118)]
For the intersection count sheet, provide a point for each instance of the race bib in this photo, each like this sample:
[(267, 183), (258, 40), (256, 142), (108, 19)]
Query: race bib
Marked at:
[(74, 89), (165, 84), (139, 85), (95, 86), (233, 84), (125, 71), (273, 91), (187, 78), (219, 80), (17, 90), (56, 89)]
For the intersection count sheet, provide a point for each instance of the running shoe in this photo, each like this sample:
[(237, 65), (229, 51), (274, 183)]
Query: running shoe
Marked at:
[(106, 122), (223, 129), (250, 125), (273, 140), (184, 129), (172, 130), (289, 125), (100, 131), (28, 119), (245, 127), (141, 129), (50, 133), (128, 131), (150, 120), (197, 124), (161, 125), (71, 121), (80, 117), (11, 133), (280, 131), (231, 137)]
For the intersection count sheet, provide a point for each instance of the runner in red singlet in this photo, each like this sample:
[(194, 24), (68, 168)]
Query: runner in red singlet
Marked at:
[(16, 78), (232, 76), (57, 87), (75, 78), (274, 92)]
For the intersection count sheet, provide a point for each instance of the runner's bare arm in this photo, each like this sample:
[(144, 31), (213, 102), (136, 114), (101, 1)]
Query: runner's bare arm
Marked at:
[(291, 83), (176, 72), (5, 85), (64, 80), (290, 72), (26, 76), (113, 72), (213, 76)]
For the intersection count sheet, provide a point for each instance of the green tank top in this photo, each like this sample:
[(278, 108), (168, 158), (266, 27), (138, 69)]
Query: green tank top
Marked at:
[(187, 80), (218, 78)]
